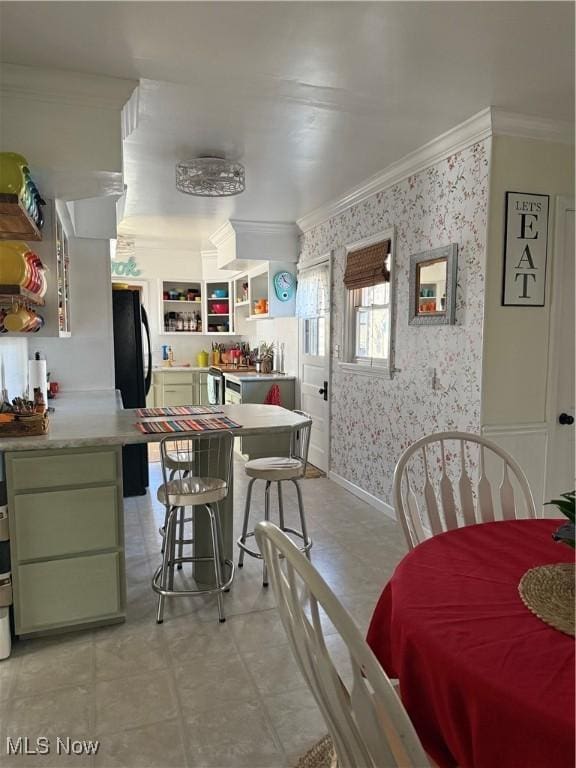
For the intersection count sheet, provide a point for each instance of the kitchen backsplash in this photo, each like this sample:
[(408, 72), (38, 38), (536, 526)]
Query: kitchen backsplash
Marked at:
[(280, 330), (14, 356)]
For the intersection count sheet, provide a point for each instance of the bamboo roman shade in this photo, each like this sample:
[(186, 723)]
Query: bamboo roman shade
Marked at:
[(367, 266)]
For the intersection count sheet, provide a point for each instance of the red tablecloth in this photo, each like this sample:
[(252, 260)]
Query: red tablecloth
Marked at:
[(486, 683)]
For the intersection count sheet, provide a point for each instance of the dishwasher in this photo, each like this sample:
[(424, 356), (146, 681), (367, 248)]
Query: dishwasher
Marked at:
[(233, 392)]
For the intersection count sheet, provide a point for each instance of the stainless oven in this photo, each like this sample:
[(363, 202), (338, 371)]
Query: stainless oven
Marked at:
[(215, 384)]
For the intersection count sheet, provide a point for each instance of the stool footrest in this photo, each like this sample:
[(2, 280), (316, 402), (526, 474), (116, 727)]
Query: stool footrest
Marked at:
[(156, 586), (253, 553)]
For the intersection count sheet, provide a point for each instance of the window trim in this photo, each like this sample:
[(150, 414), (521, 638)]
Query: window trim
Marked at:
[(380, 367)]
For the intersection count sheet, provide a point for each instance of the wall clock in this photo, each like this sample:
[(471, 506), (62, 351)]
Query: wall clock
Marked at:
[(284, 285)]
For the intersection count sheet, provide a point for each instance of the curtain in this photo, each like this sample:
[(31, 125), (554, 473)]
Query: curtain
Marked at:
[(367, 266), (313, 292)]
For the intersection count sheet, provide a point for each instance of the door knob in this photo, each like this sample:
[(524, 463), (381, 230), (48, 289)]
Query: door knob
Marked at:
[(565, 418), (324, 390)]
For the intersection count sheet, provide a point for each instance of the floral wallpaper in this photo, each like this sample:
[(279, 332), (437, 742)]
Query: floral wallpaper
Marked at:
[(374, 419)]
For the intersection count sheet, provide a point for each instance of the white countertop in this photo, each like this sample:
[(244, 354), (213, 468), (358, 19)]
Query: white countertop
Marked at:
[(97, 418), (240, 376), (169, 369)]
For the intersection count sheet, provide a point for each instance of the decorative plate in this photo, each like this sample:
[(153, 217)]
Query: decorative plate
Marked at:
[(284, 285)]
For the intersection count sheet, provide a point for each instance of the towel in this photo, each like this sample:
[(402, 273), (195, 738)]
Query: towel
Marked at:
[(273, 396)]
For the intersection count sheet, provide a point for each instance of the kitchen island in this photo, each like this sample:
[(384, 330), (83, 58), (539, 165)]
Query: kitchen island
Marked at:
[(66, 514)]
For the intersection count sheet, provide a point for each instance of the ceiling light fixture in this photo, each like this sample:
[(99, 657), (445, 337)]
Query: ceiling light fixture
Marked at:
[(210, 177)]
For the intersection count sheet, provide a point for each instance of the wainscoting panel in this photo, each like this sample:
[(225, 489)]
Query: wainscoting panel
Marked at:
[(528, 444)]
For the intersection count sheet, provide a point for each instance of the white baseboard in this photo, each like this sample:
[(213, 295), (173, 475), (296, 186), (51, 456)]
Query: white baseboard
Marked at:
[(373, 501)]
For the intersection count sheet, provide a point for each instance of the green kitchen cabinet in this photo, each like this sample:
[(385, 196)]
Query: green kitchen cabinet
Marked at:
[(65, 511), (179, 387)]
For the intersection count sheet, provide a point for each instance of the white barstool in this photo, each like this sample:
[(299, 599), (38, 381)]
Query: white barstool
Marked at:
[(211, 458), (278, 469)]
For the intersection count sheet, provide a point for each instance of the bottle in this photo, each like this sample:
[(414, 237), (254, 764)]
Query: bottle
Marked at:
[(170, 356), (198, 322), (193, 323), (179, 322)]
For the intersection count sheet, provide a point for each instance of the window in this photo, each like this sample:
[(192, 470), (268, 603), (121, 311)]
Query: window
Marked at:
[(314, 336), (369, 305), (371, 314)]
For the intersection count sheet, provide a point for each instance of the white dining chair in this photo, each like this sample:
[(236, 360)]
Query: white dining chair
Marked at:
[(450, 479), (366, 720)]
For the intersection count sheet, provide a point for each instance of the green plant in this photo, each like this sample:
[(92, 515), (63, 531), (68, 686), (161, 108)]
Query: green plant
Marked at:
[(266, 351), (567, 506)]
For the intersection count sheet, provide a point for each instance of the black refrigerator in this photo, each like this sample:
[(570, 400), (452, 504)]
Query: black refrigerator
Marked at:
[(133, 375)]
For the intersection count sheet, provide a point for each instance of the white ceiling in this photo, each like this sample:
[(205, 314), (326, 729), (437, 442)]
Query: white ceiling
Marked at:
[(312, 97)]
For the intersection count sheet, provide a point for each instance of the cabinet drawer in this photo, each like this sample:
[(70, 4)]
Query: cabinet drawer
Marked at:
[(61, 469), (67, 592), (178, 377), (178, 394), (65, 522)]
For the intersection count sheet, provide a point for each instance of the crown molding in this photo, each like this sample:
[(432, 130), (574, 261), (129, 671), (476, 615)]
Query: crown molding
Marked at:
[(55, 86), (471, 131), (130, 115), (221, 236), (264, 227), (483, 125), (530, 127)]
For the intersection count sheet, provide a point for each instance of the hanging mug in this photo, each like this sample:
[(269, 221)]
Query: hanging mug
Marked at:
[(17, 319)]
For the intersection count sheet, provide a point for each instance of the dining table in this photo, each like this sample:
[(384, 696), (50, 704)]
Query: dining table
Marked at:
[(486, 683)]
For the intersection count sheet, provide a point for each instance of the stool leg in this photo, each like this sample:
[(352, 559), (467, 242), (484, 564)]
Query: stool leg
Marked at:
[(266, 517), (166, 513), (171, 542), (302, 518), (221, 539), (217, 561), (246, 520), (280, 505), (170, 524), (181, 535)]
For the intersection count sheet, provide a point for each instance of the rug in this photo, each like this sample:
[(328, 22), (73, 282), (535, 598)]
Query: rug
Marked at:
[(321, 755), (313, 472)]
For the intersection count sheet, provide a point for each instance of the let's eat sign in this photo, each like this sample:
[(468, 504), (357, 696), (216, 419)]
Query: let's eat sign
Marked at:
[(525, 249)]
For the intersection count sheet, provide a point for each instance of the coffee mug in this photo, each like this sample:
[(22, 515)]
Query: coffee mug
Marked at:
[(17, 319)]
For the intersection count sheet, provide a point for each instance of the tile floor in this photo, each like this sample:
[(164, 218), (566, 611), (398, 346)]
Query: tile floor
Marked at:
[(193, 692)]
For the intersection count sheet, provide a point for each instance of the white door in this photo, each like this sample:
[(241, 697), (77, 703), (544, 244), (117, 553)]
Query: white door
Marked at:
[(560, 468), (315, 362)]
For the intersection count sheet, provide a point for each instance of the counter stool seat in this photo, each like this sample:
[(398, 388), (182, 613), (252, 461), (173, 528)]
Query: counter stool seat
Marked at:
[(278, 469), (275, 468), (191, 491)]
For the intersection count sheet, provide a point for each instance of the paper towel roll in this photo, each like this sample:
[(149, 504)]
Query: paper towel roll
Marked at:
[(37, 378)]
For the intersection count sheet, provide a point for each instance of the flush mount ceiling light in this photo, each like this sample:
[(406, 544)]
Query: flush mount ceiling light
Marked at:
[(210, 177)]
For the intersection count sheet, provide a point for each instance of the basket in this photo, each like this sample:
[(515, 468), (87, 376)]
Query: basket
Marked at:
[(27, 426)]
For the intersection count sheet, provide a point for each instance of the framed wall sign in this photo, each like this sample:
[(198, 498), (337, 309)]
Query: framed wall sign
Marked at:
[(525, 250)]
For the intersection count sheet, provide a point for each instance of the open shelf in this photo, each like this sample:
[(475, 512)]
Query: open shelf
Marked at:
[(15, 221), (14, 292), (181, 301), (180, 333)]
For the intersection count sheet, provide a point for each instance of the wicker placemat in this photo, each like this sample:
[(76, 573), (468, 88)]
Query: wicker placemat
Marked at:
[(548, 591), (321, 755)]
